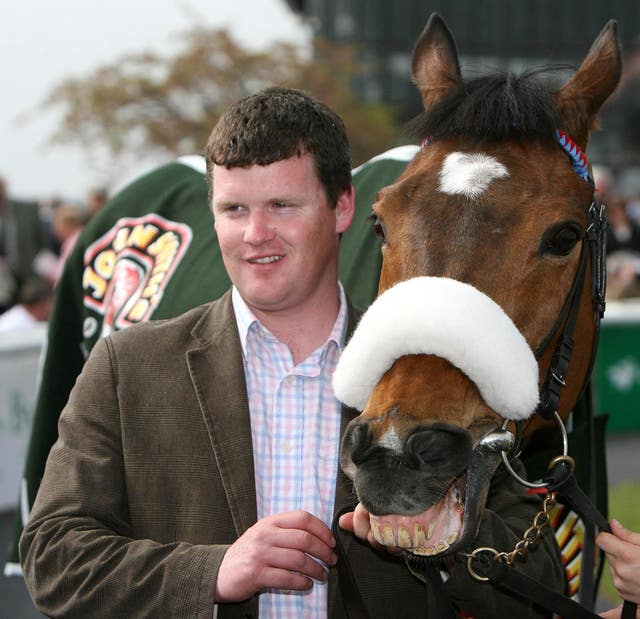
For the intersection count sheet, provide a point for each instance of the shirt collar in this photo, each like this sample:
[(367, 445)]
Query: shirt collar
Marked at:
[(245, 318)]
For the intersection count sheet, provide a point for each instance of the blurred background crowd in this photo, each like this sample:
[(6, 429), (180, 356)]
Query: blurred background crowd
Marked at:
[(35, 240)]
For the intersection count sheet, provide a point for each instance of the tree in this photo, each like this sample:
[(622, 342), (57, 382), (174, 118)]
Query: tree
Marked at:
[(146, 102)]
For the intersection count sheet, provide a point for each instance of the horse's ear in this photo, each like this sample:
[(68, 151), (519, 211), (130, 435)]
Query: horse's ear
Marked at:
[(435, 66), (583, 95)]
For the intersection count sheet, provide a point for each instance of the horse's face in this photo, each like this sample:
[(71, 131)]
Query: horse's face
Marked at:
[(496, 226)]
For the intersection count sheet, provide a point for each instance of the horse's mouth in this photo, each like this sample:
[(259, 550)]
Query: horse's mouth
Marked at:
[(429, 533)]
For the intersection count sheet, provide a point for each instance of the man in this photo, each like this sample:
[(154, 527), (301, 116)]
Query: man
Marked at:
[(149, 505)]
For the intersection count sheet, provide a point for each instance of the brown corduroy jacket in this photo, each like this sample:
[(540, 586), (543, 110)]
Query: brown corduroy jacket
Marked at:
[(152, 479)]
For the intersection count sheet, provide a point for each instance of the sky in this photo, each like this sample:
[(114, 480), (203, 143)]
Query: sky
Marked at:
[(43, 42)]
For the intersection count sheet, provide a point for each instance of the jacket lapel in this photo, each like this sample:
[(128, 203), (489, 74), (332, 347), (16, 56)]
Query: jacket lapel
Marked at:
[(217, 372), (345, 494)]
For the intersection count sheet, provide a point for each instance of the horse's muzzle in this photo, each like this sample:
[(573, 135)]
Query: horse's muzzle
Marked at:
[(403, 475)]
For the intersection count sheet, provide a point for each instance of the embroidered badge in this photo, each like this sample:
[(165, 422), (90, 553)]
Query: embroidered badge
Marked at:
[(127, 269)]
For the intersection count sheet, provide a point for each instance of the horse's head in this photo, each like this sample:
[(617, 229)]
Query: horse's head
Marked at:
[(483, 239)]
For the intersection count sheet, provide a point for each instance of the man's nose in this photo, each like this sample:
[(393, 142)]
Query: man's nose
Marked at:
[(259, 229)]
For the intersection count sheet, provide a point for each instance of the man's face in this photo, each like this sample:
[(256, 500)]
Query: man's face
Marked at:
[(277, 233)]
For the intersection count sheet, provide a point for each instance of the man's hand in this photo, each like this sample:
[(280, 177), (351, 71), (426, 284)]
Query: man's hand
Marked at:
[(622, 548), (282, 551)]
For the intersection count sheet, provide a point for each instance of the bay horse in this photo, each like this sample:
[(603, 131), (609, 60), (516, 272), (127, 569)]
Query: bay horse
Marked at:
[(484, 263)]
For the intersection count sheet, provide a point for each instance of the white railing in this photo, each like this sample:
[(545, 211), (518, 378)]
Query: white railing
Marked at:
[(20, 354)]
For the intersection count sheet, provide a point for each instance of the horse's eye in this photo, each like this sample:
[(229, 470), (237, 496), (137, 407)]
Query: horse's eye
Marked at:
[(560, 240), (378, 226)]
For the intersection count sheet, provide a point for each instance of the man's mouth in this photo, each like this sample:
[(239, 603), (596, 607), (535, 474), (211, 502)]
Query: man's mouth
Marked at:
[(429, 533), (265, 259)]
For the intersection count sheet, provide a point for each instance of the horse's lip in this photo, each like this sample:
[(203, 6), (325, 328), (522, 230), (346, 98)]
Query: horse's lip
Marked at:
[(428, 533), (473, 487)]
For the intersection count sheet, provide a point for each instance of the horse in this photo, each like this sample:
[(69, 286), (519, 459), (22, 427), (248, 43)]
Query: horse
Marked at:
[(484, 315)]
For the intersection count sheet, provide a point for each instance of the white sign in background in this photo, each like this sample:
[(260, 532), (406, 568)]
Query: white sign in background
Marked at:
[(19, 367)]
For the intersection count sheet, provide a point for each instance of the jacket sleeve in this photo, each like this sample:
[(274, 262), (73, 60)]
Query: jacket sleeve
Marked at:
[(78, 555), (509, 513)]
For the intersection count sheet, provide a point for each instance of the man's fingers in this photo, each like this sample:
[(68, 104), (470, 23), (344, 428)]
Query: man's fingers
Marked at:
[(304, 542), (608, 543), (286, 580), (298, 562), (346, 522), (624, 533), (304, 521)]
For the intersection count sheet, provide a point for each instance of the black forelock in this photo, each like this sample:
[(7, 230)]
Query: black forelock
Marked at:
[(493, 108)]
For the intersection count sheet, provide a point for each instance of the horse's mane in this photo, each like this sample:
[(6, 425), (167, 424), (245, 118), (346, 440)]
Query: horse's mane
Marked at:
[(493, 107)]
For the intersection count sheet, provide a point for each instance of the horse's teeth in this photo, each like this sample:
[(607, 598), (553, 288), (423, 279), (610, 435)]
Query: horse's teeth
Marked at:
[(432, 526), (418, 536), (387, 533), (375, 531), (404, 541), (456, 496), (442, 546), (452, 537)]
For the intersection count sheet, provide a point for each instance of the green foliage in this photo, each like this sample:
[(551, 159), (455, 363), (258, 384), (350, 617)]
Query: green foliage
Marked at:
[(146, 102)]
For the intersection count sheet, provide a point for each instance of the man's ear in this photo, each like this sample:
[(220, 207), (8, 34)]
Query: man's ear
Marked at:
[(345, 209)]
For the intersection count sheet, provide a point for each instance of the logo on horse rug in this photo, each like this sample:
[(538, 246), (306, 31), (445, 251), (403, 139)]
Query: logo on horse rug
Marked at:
[(128, 268)]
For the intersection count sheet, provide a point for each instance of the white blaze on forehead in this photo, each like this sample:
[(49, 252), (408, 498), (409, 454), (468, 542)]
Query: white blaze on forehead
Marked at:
[(469, 174), (450, 319)]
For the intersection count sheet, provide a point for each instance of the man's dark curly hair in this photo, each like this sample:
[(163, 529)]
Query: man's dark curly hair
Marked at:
[(279, 123)]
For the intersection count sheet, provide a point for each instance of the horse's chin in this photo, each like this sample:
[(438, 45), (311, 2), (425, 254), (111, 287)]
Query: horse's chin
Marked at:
[(430, 533)]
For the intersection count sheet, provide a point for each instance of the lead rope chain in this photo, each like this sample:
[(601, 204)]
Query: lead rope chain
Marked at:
[(530, 537)]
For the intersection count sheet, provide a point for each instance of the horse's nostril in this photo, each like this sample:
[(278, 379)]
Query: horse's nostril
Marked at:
[(357, 441), (436, 446)]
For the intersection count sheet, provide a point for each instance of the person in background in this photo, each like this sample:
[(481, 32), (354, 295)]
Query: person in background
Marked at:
[(66, 225), (96, 199), (622, 548), (623, 250), (34, 305), (22, 236)]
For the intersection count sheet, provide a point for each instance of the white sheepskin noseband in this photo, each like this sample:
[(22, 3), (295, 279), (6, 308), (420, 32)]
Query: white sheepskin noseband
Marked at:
[(450, 319)]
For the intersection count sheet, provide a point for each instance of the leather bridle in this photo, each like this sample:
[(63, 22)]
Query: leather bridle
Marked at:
[(593, 250)]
